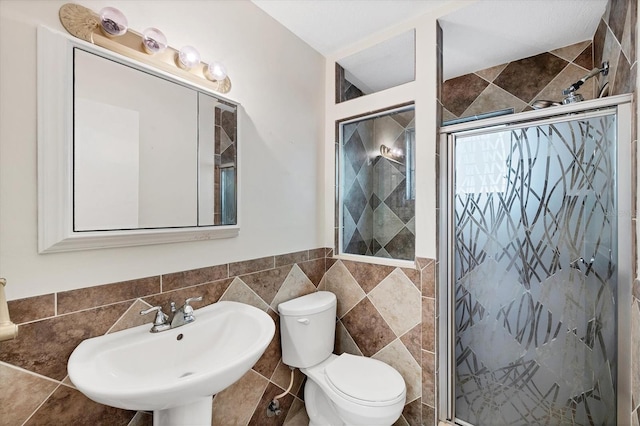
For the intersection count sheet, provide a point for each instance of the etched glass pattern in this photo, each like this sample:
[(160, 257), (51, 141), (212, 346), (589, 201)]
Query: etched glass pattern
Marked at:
[(535, 275)]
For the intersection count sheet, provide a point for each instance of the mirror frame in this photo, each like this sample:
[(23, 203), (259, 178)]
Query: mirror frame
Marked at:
[(55, 155)]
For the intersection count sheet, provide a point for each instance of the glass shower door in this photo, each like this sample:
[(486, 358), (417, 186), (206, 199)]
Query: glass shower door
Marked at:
[(534, 265)]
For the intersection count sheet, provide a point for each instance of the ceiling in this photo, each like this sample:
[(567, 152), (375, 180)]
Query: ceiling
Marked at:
[(479, 35)]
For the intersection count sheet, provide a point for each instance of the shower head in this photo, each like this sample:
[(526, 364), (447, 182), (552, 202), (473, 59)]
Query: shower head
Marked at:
[(569, 92)]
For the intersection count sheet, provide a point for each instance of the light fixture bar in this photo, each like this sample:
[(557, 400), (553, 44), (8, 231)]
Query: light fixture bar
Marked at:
[(84, 24)]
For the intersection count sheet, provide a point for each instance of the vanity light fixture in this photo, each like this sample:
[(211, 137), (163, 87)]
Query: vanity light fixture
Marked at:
[(187, 57), (113, 22), (153, 41), (109, 29), (215, 71)]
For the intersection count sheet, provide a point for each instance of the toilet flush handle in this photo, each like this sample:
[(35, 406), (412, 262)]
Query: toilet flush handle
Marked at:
[(304, 321)]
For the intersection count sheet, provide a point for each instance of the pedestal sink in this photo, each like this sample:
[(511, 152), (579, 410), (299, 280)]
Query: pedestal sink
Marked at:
[(173, 373)]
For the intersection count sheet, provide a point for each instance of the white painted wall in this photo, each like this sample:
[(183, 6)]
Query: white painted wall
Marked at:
[(278, 79), (422, 91)]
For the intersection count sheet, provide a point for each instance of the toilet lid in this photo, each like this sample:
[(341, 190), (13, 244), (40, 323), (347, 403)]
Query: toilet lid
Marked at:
[(365, 379)]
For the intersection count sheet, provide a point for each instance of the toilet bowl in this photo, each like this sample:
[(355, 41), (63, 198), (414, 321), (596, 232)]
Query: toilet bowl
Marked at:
[(340, 389)]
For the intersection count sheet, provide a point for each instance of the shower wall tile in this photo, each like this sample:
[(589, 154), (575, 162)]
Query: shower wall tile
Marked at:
[(517, 84), (585, 59), (527, 77), (494, 98), (34, 364), (491, 73), (617, 17), (570, 53), (460, 92), (571, 72)]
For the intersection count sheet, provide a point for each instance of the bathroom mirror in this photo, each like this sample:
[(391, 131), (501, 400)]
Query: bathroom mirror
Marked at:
[(382, 66), (376, 195), (127, 154)]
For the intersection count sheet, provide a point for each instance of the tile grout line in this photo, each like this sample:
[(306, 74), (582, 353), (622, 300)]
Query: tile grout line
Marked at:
[(41, 404)]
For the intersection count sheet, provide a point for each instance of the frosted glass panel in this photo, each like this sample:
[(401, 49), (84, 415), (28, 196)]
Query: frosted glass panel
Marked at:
[(535, 282)]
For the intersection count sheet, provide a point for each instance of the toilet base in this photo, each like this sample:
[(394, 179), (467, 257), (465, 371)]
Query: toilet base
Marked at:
[(319, 407)]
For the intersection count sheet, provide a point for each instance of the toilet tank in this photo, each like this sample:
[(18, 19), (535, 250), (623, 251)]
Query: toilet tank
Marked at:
[(307, 329)]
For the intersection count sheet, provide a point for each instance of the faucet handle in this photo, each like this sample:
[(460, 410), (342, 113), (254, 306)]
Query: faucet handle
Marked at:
[(192, 299), (187, 309), (161, 317)]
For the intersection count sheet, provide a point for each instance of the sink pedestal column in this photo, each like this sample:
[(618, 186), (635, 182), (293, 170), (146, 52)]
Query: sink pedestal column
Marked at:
[(197, 413)]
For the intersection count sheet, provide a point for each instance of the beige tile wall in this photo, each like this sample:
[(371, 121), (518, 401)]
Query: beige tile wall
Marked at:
[(383, 313)]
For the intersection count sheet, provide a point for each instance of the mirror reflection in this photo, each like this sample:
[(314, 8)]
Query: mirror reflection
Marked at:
[(385, 65), (148, 152), (377, 185)]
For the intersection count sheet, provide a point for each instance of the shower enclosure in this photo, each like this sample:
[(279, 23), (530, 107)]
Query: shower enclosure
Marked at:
[(537, 268)]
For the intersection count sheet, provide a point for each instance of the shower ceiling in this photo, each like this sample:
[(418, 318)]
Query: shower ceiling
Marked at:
[(479, 35)]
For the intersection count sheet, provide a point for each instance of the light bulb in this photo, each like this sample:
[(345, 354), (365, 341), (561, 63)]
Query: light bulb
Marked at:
[(188, 57), (113, 22), (153, 41), (215, 71)]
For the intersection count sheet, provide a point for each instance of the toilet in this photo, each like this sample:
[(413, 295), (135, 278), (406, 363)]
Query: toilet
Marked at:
[(340, 389)]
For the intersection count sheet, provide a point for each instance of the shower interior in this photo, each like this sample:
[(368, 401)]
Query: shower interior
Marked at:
[(536, 269), (377, 185)]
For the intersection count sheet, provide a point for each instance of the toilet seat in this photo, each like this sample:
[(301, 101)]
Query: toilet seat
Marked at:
[(364, 381)]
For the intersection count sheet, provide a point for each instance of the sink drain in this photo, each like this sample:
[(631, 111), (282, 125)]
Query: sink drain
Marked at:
[(185, 375)]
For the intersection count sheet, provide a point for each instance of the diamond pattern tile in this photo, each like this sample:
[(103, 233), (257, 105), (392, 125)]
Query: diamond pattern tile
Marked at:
[(387, 224), (355, 151), (367, 327), (398, 301), (339, 281), (397, 356)]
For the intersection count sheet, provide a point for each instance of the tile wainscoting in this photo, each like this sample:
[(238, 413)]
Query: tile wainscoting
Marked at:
[(384, 312)]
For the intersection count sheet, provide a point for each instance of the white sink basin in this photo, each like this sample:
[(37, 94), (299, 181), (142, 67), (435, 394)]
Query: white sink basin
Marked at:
[(176, 372)]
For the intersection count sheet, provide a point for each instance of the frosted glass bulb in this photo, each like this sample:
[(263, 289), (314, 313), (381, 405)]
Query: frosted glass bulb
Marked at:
[(113, 22), (216, 71), (153, 41), (188, 57)]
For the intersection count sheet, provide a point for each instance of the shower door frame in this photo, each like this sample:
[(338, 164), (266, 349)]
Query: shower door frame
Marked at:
[(445, 379)]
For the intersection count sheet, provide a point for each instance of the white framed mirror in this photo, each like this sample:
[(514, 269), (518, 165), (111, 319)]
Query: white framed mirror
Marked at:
[(127, 154)]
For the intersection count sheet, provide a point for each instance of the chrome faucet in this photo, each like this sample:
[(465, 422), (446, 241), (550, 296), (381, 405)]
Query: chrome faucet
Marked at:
[(183, 315), (161, 322)]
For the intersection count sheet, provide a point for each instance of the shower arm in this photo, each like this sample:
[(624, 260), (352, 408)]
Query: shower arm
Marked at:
[(575, 86)]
